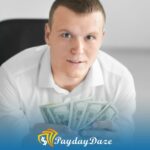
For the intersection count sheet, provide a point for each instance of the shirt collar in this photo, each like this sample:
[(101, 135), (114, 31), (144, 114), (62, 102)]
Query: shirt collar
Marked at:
[(93, 78)]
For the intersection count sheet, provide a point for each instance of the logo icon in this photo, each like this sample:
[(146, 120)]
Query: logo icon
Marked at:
[(47, 137)]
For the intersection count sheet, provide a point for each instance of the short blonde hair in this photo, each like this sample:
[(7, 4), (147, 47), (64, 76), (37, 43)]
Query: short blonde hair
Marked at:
[(78, 6)]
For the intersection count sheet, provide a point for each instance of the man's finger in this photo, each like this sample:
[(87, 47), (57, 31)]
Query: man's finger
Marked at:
[(94, 133), (105, 125)]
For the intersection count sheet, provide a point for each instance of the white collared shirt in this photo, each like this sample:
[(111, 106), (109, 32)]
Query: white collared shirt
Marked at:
[(26, 83)]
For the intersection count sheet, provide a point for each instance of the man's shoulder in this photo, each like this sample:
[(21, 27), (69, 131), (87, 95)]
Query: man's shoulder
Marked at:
[(111, 65), (24, 60)]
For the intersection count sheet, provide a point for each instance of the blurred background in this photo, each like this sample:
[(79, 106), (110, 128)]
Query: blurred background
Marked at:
[(127, 39)]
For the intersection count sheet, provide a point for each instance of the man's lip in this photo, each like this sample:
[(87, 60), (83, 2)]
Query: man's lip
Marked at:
[(75, 61)]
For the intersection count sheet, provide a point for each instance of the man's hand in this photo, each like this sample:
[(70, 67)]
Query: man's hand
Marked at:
[(100, 129)]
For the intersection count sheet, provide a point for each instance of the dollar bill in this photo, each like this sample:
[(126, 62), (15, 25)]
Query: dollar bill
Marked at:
[(79, 114), (47, 115), (78, 110), (59, 114), (108, 113), (93, 108)]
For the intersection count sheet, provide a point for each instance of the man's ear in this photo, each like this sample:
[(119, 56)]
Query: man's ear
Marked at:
[(102, 39), (47, 34), (104, 33)]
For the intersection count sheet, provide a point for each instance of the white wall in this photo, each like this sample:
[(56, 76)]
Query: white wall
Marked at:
[(24, 8), (128, 21)]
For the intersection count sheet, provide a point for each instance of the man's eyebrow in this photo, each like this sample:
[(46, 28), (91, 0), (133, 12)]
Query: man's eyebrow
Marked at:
[(93, 33), (64, 30)]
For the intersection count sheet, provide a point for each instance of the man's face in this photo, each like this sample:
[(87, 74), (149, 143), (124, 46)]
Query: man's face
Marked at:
[(74, 40)]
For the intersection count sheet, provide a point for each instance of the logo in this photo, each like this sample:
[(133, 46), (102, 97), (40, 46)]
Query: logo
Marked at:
[(47, 137)]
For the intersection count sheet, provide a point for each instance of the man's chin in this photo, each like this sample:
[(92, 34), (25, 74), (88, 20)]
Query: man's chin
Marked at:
[(76, 75)]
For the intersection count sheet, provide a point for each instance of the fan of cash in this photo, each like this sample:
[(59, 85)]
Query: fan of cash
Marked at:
[(78, 115)]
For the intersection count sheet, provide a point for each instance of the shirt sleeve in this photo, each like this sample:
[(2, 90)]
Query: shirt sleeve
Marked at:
[(125, 102), (12, 117)]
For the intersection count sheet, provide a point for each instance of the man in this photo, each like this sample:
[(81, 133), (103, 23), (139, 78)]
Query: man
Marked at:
[(70, 67)]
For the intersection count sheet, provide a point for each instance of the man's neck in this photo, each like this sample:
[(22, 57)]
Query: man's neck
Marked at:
[(68, 83)]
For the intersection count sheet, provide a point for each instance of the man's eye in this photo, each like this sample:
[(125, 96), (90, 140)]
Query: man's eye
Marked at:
[(90, 37), (66, 35)]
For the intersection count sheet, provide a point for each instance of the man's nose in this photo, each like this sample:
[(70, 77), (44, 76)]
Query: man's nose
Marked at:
[(77, 46)]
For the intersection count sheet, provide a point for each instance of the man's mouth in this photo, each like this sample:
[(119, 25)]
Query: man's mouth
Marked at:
[(75, 61)]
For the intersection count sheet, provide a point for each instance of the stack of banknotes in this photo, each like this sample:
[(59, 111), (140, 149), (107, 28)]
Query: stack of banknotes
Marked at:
[(78, 115)]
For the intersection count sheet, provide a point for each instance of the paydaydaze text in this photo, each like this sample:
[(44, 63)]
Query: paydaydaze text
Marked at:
[(84, 142)]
